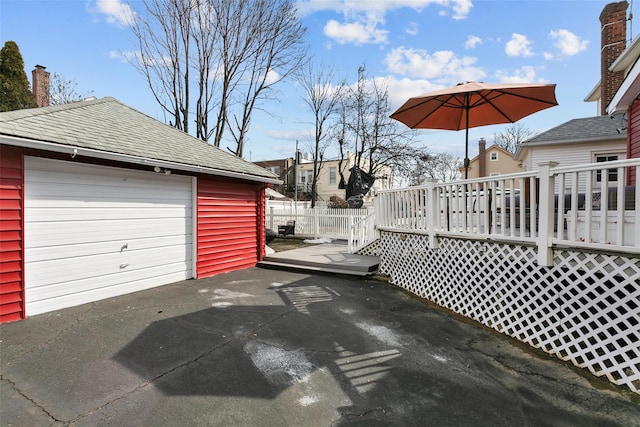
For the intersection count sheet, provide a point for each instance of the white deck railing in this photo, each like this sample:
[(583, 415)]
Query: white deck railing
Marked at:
[(362, 232), (569, 206)]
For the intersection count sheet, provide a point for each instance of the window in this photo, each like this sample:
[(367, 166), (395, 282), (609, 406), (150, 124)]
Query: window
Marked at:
[(493, 156), (333, 173), (612, 174), (275, 169)]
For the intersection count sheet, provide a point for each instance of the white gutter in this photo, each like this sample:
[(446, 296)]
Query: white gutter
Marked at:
[(105, 155)]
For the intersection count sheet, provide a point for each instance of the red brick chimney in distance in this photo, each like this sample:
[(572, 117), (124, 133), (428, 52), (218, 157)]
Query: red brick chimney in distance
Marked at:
[(613, 21), (482, 158), (41, 80)]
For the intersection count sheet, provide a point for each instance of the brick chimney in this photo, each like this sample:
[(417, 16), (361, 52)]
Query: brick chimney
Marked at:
[(40, 84), (613, 20), (482, 158)]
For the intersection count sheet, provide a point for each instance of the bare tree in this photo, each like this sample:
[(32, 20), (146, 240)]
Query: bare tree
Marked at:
[(63, 91), (164, 40), (378, 141), (323, 99), (443, 167), (512, 136), (238, 49)]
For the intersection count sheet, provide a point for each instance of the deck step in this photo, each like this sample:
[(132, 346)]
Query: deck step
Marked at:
[(322, 269), (330, 258)]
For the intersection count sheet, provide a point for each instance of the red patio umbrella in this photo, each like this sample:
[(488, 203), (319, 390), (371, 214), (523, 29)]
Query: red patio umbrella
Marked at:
[(473, 104)]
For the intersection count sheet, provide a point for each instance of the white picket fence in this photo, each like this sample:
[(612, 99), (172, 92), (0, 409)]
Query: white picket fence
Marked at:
[(316, 222)]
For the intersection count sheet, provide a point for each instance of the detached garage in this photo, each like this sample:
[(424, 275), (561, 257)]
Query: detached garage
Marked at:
[(100, 200)]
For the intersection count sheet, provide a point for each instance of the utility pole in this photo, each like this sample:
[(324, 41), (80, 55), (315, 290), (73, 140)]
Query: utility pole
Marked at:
[(295, 175)]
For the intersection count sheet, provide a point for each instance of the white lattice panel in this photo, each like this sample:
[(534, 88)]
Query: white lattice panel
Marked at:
[(372, 249), (586, 308)]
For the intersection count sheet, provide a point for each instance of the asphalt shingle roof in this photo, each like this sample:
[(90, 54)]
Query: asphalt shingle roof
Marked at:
[(110, 126), (590, 128)]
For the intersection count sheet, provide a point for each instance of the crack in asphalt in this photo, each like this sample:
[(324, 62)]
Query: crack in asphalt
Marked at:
[(36, 404), (367, 412)]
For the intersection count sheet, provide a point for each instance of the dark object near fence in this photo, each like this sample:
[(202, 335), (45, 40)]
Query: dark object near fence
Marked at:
[(290, 228), (355, 202), (270, 235)]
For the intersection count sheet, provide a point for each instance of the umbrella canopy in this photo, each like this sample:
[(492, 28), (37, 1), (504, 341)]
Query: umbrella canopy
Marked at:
[(472, 104)]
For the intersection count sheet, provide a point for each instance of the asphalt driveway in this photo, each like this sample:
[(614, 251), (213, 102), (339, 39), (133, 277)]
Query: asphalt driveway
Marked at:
[(274, 348)]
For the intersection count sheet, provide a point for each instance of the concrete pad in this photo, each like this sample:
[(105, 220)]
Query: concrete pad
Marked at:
[(266, 347)]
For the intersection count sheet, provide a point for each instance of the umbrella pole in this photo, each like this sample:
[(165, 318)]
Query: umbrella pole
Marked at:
[(466, 146)]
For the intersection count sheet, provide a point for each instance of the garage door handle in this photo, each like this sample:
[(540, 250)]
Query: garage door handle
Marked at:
[(125, 246), (124, 266)]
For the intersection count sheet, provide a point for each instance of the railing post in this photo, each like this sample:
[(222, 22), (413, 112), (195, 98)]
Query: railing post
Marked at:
[(433, 214), (546, 210), (351, 235), (378, 208)]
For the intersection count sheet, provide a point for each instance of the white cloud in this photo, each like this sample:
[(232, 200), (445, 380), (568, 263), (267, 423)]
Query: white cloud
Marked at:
[(568, 43), (472, 41), (444, 66), (357, 33), (116, 12), (402, 89), (364, 20), (272, 77), (460, 8), (412, 28), (519, 45), (525, 74), (548, 56)]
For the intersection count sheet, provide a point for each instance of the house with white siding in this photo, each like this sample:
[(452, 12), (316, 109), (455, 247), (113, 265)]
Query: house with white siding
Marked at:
[(99, 200), (578, 141)]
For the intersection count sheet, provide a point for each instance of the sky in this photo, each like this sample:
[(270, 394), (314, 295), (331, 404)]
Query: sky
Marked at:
[(414, 46)]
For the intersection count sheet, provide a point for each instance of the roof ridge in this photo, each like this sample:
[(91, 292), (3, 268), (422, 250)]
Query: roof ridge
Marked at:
[(51, 109)]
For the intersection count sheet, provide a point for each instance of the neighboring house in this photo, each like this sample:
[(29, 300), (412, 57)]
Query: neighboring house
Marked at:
[(492, 161), (578, 141), (329, 178), (100, 200), (284, 169)]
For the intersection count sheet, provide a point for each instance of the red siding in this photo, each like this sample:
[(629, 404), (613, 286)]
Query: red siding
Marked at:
[(11, 235), (229, 217), (633, 137)]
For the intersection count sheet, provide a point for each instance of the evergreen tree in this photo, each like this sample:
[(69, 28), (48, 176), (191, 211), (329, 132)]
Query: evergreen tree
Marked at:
[(14, 85)]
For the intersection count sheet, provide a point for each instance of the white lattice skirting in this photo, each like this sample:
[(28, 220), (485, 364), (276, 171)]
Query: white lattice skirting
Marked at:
[(585, 309)]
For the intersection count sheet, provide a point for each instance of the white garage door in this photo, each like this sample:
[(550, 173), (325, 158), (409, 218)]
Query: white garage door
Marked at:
[(93, 232)]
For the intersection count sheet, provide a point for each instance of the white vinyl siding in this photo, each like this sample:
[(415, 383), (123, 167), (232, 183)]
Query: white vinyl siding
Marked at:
[(570, 154), (93, 232)]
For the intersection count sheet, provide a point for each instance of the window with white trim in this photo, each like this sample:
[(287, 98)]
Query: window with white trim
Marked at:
[(493, 156), (333, 173), (612, 174)]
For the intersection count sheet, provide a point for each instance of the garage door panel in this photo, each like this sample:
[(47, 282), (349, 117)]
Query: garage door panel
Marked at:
[(42, 303), (44, 253), (40, 214), (93, 232), (61, 269), (83, 194), (119, 232), (79, 276)]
